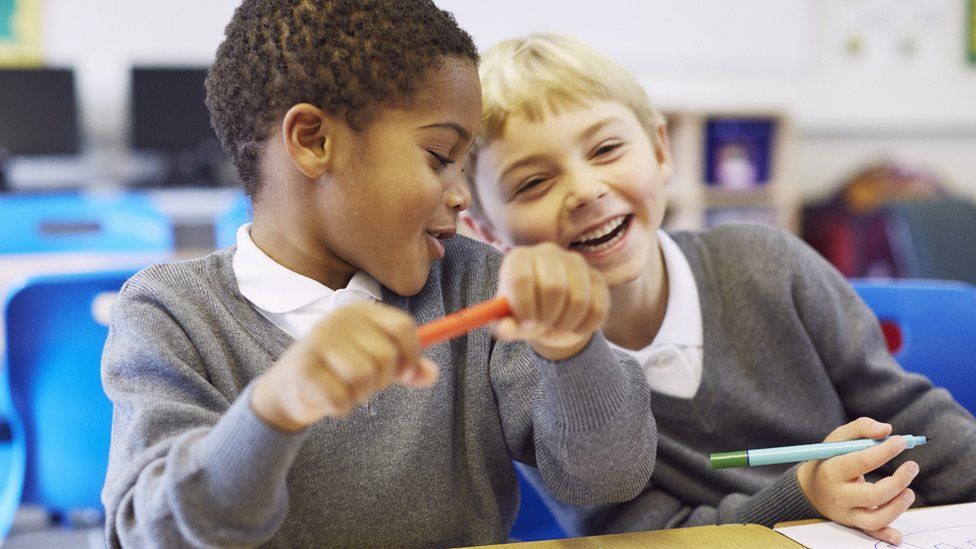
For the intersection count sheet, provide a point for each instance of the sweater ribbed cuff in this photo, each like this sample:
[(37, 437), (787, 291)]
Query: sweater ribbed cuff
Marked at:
[(779, 502), (585, 392), (246, 455)]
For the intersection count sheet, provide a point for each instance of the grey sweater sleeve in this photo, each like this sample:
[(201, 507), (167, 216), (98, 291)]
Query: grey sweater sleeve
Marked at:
[(781, 501), (656, 509), (588, 426), (181, 452), (871, 383), (850, 353)]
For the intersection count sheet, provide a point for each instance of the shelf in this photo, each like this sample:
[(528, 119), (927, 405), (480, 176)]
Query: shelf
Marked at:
[(725, 197), (747, 149)]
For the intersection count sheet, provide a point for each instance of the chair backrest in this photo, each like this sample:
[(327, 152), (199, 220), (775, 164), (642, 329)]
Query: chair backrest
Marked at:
[(60, 222), (933, 238), (230, 220), (937, 324), (56, 326), (534, 522), (12, 456)]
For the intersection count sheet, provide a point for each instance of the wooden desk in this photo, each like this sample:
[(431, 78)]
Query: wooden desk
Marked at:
[(744, 536)]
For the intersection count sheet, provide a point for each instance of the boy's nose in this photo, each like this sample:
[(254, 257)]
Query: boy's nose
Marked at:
[(459, 194), (585, 189)]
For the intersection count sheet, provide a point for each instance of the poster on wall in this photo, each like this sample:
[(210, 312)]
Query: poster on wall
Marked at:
[(20, 32), (971, 35)]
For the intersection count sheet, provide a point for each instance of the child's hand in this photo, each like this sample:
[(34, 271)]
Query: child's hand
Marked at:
[(557, 300), (837, 489), (355, 352)]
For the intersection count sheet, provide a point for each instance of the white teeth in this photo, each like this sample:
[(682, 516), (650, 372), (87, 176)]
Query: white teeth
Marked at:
[(602, 230), (600, 247)]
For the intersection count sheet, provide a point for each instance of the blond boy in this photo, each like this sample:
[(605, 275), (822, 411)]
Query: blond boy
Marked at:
[(748, 338)]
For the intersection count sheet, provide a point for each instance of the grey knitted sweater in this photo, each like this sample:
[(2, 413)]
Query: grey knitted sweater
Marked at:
[(790, 353), (191, 465)]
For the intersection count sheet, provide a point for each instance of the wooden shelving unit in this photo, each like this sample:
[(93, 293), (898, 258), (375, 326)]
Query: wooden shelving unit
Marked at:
[(696, 200)]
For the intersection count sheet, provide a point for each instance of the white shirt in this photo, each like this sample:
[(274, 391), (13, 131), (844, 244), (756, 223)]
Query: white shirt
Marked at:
[(673, 360), (292, 302)]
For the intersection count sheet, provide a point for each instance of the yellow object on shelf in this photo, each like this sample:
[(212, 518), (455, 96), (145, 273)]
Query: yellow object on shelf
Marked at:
[(20, 33)]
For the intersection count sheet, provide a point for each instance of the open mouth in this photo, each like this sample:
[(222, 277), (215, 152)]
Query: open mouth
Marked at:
[(435, 241), (602, 237), (441, 235)]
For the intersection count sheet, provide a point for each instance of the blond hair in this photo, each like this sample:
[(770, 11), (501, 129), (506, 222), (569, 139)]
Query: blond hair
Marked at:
[(544, 74)]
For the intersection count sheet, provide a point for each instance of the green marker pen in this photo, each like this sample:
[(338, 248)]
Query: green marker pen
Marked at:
[(802, 452)]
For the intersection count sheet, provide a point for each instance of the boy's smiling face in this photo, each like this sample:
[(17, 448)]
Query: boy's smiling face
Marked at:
[(589, 179), (395, 189)]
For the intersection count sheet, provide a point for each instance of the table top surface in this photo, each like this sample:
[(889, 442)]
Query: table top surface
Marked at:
[(744, 536)]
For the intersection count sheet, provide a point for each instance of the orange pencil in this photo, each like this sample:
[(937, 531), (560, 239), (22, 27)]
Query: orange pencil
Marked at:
[(463, 321)]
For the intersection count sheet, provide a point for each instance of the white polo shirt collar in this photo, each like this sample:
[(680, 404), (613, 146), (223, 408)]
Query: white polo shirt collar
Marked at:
[(292, 301), (682, 324), (674, 359)]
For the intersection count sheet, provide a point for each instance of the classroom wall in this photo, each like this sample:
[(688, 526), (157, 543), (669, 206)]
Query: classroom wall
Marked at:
[(711, 54)]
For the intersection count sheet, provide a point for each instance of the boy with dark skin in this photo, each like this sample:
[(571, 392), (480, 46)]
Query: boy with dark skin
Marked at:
[(251, 408)]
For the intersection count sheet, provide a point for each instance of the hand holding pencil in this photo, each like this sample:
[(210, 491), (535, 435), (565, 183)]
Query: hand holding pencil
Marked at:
[(556, 299), (548, 296), (348, 356), (837, 488)]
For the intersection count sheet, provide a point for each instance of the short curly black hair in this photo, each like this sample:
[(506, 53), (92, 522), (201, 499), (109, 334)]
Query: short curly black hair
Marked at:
[(344, 56)]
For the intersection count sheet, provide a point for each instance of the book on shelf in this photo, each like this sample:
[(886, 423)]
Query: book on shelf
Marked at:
[(738, 152)]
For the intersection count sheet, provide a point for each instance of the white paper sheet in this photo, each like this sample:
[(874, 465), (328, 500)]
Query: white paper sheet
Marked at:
[(946, 527)]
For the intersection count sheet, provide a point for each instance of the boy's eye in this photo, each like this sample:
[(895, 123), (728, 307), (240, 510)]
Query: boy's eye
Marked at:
[(440, 161), (606, 148), (529, 185)]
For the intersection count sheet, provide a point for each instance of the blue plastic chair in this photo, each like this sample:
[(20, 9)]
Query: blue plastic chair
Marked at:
[(229, 221), (59, 410), (936, 326), (535, 521), (12, 457), (63, 222)]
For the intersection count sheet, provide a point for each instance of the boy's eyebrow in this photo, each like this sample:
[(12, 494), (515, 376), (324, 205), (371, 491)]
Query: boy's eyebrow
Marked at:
[(586, 134), (597, 126), (463, 133), (519, 163)]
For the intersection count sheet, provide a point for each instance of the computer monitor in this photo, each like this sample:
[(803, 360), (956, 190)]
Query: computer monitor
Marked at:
[(169, 118), (38, 113), (168, 112)]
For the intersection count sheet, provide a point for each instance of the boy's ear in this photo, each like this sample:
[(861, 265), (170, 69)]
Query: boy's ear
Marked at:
[(307, 134), (662, 152), (483, 232)]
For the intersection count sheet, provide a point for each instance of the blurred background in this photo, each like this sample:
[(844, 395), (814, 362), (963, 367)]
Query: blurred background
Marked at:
[(775, 106), (849, 122)]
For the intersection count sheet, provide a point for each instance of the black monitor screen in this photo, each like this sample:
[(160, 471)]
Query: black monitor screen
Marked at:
[(168, 112), (38, 113)]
